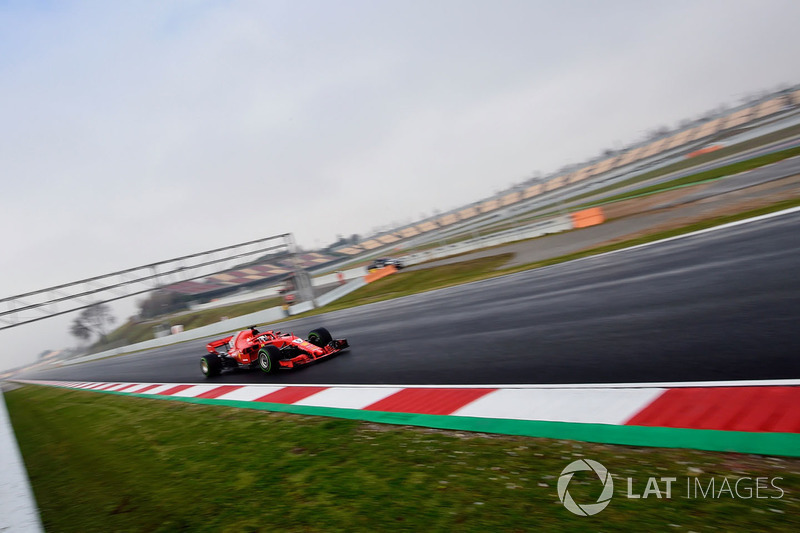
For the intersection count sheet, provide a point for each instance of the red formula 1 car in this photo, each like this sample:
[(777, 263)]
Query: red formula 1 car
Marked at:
[(270, 350)]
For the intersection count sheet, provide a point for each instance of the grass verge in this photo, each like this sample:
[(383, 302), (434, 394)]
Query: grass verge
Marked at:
[(113, 463)]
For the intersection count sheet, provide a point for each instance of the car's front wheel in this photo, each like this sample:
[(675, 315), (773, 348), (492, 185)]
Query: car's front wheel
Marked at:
[(319, 337), (268, 358)]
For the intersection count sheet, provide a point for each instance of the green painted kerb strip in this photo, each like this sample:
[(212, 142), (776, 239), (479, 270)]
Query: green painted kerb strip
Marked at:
[(787, 444)]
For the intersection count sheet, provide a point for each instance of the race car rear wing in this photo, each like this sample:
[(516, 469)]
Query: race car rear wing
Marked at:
[(213, 345)]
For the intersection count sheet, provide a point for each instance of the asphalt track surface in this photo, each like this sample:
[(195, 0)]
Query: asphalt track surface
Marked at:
[(723, 305)]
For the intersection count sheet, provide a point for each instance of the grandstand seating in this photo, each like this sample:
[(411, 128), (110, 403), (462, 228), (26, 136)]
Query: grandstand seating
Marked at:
[(388, 238), (371, 244), (489, 205), (312, 259), (408, 232), (676, 140), (555, 183), (739, 118), (633, 155), (469, 212), (654, 148), (531, 191), (511, 198), (694, 133), (351, 250), (426, 226), (446, 220), (248, 275), (605, 165), (770, 107), (194, 287), (624, 159), (709, 128), (581, 174)]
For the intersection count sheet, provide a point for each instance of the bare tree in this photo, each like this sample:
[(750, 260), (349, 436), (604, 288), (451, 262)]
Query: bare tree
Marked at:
[(80, 331), (93, 321)]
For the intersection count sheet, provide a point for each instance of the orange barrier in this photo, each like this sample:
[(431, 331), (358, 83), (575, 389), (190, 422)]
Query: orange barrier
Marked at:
[(588, 217), (707, 149), (380, 273)]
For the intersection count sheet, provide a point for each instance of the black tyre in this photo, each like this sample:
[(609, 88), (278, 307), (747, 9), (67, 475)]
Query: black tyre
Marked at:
[(268, 358), (210, 365), (319, 337)]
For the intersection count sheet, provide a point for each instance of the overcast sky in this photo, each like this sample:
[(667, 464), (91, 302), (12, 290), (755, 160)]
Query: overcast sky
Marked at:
[(132, 132)]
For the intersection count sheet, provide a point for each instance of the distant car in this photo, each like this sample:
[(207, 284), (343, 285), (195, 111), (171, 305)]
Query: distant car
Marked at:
[(270, 351), (384, 262)]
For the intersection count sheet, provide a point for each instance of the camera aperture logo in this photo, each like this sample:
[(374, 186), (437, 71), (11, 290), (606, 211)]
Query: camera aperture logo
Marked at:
[(666, 487), (586, 509)]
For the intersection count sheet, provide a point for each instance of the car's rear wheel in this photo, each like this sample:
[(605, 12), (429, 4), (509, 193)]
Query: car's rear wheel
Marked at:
[(210, 365), (319, 337), (268, 358)]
